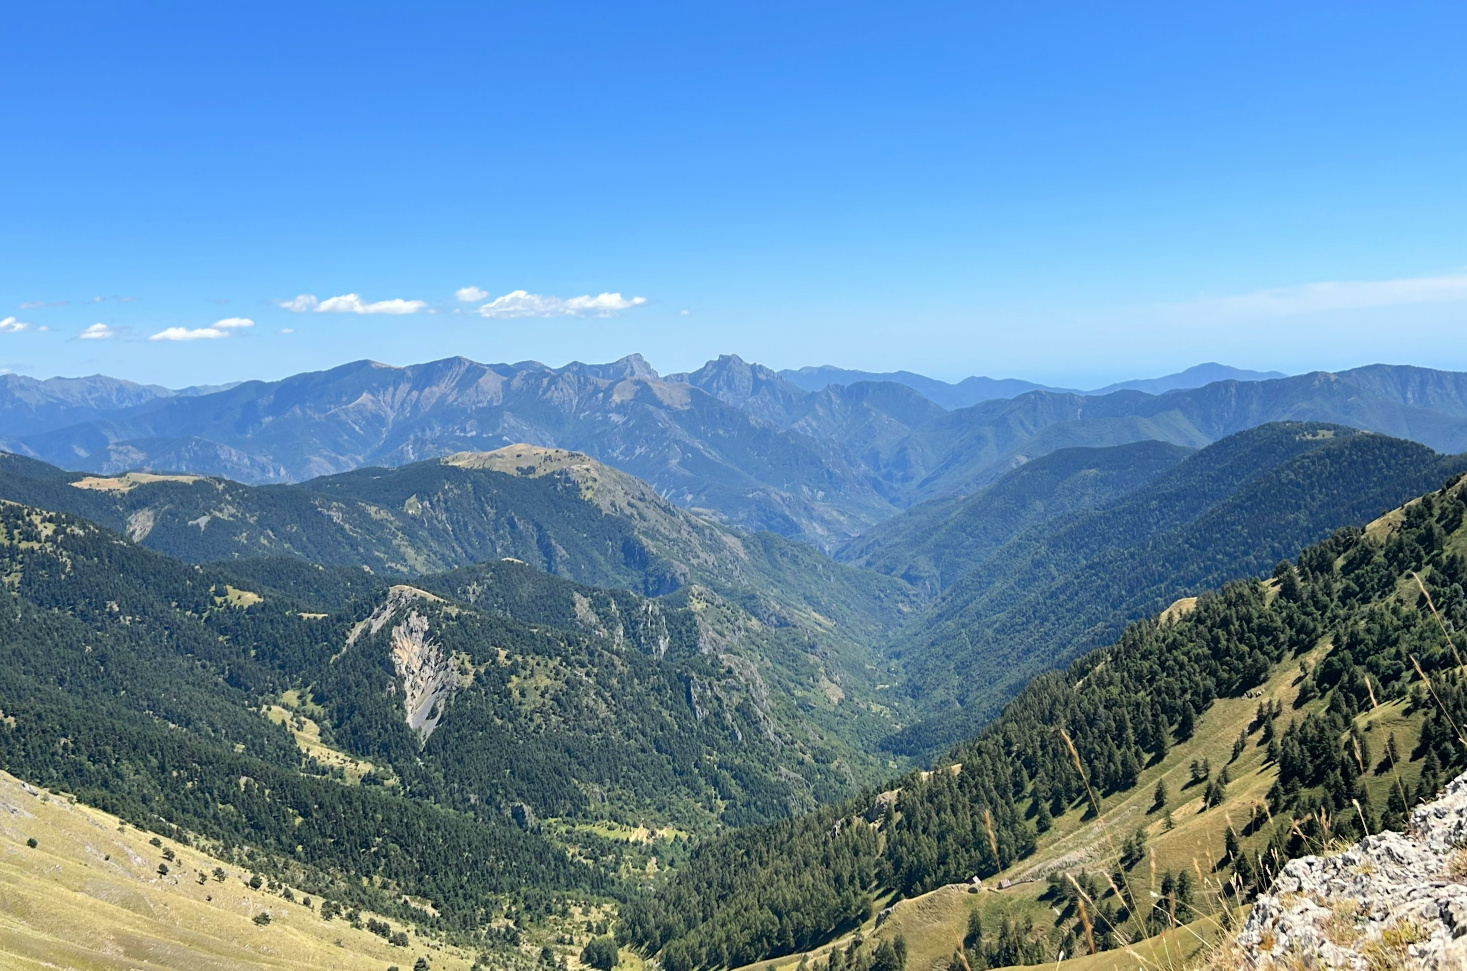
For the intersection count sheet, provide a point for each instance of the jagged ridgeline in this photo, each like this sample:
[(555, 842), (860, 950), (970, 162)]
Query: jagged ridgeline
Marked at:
[(1357, 624)]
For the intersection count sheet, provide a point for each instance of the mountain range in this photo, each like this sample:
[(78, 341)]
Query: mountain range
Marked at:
[(733, 439)]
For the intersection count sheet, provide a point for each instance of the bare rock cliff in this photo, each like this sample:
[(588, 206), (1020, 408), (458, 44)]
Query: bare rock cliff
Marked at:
[(1390, 901)]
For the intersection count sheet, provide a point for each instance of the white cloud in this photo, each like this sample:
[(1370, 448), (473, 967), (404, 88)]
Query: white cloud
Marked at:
[(97, 332), (1311, 298), (684, 312), (519, 303), (287, 330), (184, 334), (298, 305), (351, 303), (10, 325), (470, 294), (215, 331), (36, 304)]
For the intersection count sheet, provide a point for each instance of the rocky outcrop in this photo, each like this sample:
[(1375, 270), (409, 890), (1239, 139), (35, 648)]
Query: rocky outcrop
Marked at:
[(426, 672), (428, 678), (1389, 901)]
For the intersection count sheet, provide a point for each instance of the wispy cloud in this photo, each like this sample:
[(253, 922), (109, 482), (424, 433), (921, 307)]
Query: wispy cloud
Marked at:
[(351, 303), (97, 332), (520, 303), (470, 294), (1312, 298), (10, 325), (298, 305), (37, 304), (215, 331)]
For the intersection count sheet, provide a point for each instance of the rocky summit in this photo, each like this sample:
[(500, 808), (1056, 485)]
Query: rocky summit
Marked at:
[(1389, 901)]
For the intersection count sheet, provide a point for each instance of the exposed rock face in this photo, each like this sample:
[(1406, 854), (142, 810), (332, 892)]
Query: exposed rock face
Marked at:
[(427, 676), (427, 673), (1389, 901)]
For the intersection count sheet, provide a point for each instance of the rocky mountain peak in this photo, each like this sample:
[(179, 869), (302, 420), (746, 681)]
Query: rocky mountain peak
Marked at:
[(631, 367), (753, 388)]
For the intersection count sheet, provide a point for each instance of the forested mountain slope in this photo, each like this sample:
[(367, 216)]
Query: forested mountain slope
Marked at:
[(1345, 636), (490, 687), (1070, 584), (136, 682), (626, 711), (935, 543)]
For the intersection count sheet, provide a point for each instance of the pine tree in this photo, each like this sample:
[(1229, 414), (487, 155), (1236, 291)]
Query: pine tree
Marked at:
[(1187, 721), (1158, 795), (1042, 819)]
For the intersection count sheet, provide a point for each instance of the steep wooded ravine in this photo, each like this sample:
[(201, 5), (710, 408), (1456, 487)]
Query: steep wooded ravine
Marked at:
[(1349, 615)]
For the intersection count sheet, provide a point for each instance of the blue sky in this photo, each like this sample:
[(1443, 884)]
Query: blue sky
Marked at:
[(1069, 193)]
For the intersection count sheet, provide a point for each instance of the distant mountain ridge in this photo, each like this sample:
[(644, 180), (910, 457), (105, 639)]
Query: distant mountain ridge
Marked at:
[(740, 441), (29, 405), (1193, 377), (972, 390), (968, 391)]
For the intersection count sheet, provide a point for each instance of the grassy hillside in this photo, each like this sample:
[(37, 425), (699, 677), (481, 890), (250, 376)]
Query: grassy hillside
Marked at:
[(1291, 712), (89, 895), (1071, 583), (1181, 834)]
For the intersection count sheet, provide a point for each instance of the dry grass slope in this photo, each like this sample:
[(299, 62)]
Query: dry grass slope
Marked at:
[(89, 896)]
